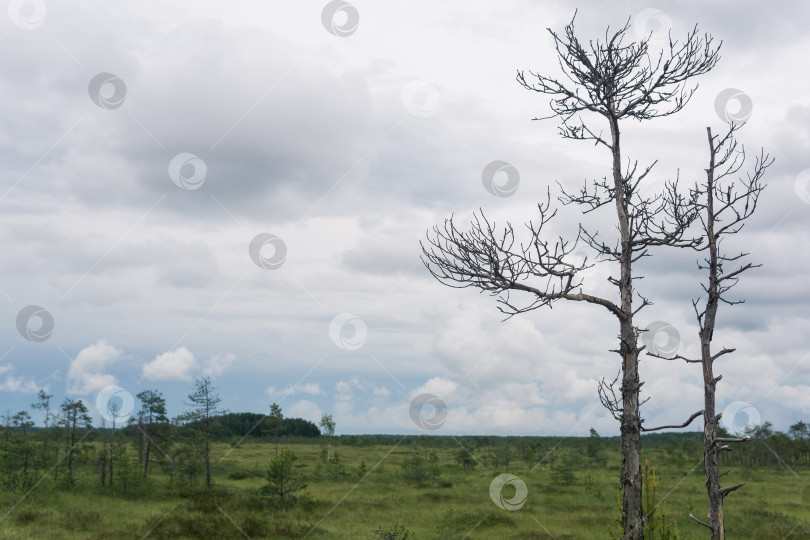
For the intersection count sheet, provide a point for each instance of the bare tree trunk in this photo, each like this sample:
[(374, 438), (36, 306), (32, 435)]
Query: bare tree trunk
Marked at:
[(710, 451), (146, 456), (726, 208), (207, 454), (631, 476)]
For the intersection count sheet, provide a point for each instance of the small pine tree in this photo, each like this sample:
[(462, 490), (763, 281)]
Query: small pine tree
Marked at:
[(415, 467), (336, 468), (594, 446), (362, 470), (562, 472), (123, 466), (465, 458), (656, 524), (282, 480)]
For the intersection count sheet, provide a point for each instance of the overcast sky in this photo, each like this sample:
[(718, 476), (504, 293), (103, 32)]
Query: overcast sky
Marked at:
[(146, 146)]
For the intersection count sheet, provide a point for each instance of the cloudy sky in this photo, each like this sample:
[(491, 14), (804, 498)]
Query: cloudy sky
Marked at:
[(238, 190)]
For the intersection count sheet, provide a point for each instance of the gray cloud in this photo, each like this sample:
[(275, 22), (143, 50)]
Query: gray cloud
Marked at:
[(305, 136)]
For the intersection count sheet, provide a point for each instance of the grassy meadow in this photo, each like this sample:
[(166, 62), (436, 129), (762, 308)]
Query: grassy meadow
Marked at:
[(375, 492)]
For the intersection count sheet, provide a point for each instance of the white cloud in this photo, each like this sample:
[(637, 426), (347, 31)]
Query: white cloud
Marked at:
[(305, 409), (313, 389), (344, 390), (176, 365), (86, 373), (382, 392), (218, 363), (18, 384)]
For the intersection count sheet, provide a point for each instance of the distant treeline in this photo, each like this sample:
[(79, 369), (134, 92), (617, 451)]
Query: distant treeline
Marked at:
[(766, 446), (247, 424)]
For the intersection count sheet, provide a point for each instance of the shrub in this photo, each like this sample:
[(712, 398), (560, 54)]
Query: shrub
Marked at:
[(238, 475), (399, 532)]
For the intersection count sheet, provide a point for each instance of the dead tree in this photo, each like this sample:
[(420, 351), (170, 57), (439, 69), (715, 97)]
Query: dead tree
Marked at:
[(725, 204), (614, 80)]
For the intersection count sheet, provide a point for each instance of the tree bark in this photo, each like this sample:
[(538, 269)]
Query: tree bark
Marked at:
[(710, 449), (631, 476)]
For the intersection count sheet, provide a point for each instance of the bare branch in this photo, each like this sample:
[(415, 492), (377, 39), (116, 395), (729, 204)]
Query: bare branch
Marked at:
[(608, 398), (728, 489), (732, 439), (623, 80), (721, 353), (675, 357), (704, 524), (689, 421), (496, 262)]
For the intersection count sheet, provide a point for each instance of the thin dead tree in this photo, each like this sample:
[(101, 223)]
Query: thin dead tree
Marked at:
[(616, 80), (727, 199)]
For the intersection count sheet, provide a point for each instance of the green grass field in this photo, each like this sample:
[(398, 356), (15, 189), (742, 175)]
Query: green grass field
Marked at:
[(774, 503)]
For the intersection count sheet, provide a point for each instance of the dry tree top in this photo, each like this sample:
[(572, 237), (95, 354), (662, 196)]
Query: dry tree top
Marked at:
[(618, 80)]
